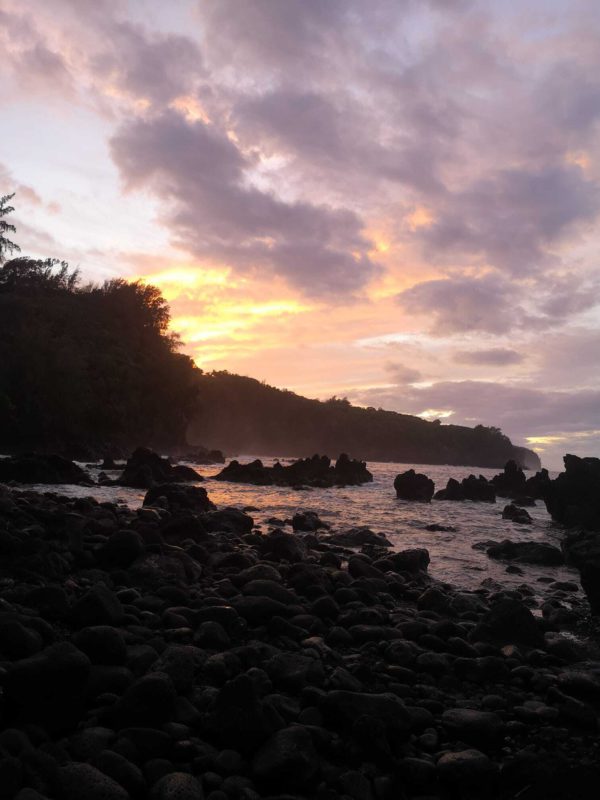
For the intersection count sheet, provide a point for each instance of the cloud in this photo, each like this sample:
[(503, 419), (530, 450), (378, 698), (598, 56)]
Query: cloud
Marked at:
[(159, 67), (511, 218), (458, 305), (495, 357), (401, 374), (214, 210)]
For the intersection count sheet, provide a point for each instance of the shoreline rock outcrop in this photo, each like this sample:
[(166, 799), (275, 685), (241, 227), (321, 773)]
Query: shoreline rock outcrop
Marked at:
[(39, 468), (316, 471), (145, 469), (411, 485), (476, 489), (573, 499)]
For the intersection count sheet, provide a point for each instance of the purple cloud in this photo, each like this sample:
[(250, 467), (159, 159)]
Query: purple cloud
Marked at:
[(401, 374), (459, 305), (494, 357), (214, 210)]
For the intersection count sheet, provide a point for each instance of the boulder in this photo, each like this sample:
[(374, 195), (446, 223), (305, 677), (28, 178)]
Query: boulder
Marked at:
[(281, 546), (359, 537), (102, 644), (83, 780), (343, 707), (483, 728), (179, 497), (177, 786), (509, 622), (48, 688), (467, 770), (590, 583), (98, 606), (288, 759), (307, 521), (413, 560), (411, 485), (227, 519), (122, 549), (513, 513), (148, 701)]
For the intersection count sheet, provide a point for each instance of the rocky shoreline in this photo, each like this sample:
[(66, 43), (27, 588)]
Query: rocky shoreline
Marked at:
[(176, 651)]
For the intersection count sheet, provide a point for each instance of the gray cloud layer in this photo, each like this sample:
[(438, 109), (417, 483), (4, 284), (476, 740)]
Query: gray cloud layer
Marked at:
[(217, 212)]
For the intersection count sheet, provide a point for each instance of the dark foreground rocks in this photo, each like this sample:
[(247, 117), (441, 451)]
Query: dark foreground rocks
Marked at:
[(316, 471), (574, 497), (175, 652), (38, 468), (538, 553), (411, 485), (145, 469)]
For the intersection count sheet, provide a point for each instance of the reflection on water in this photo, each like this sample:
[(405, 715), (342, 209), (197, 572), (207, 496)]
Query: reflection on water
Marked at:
[(453, 558)]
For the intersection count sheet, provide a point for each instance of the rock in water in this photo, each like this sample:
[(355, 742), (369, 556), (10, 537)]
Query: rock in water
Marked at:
[(316, 471), (511, 482), (527, 553), (516, 514), (479, 490), (411, 485), (145, 469)]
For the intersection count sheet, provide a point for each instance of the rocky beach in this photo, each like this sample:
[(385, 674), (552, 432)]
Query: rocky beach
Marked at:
[(179, 650)]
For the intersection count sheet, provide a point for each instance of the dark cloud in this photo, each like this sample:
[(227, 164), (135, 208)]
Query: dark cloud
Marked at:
[(401, 374), (156, 67), (494, 304), (34, 64), (564, 297), (458, 305), (509, 218), (495, 357), (214, 210)]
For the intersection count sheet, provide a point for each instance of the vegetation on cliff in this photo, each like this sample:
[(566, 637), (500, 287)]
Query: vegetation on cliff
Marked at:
[(241, 414)]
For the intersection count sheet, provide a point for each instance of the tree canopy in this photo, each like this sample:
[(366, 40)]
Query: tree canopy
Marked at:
[(6, 245)]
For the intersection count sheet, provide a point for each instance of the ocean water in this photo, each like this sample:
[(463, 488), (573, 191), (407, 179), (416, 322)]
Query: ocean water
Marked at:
[(453, 558)]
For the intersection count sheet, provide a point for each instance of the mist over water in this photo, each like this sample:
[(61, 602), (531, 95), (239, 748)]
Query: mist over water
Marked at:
[(375, 505)]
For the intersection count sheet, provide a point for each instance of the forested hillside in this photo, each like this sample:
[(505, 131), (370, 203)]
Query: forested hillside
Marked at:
[(241, 414)]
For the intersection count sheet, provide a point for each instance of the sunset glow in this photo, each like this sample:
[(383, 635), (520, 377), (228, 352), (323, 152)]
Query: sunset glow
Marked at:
[(416, 231)]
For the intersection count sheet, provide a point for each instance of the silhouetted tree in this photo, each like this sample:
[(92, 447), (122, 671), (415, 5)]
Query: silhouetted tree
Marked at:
[(6, 246), (83, 368), (26, 274)]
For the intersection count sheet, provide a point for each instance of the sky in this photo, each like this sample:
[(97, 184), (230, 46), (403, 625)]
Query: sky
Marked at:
[(393, 201)]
